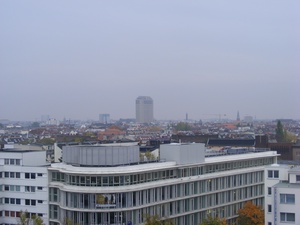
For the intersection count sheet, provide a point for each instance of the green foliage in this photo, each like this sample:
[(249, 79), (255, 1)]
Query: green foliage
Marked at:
[(37, 220), (35, 124), (290, 137), (156, 220), (181, 126), (213, 221), (280, 134), (46, 141), (25, 220), (149, 155), (78, 140), (68, 221)]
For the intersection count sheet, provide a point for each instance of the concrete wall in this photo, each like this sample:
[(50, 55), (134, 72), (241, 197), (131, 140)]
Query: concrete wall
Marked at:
[(100, 155), (183, 153)]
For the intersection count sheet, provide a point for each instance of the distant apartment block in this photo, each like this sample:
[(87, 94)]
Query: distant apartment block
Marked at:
[(144, 109), (104, 118), (23, 184), (108, 184)]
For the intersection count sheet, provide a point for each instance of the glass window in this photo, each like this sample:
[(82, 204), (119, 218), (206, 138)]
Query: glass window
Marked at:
[(18, 201), (27, 175), (298, 178), (18, 161), (287, 198), (12, 162), (269, 208), (17, 188), (32, 175), (6, 174), (27, 201), (273, 174), (6, 161), (12, 201), (18, 175), (287, 217), (269, 191), (12, 175)]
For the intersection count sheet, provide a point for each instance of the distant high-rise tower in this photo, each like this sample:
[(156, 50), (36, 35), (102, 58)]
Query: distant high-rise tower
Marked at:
[(238, 116), (104, 118), (144, 109)]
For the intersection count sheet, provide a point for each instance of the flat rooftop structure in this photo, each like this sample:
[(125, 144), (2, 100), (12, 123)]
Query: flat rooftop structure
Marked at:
[(101, 155), (162, 165), (231, 142)]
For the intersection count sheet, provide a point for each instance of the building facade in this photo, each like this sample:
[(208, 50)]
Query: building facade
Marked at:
[(23, 184), (144, 109), (108, 185), (282, 195), (104, 118)]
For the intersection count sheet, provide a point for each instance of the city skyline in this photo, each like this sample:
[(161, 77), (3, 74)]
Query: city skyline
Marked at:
[(198, 58)]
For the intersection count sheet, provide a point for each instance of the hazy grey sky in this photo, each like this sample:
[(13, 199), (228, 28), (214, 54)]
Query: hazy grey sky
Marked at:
[(76, 59)]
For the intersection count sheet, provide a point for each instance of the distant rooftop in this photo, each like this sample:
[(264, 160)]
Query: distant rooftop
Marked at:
[(231, 142)]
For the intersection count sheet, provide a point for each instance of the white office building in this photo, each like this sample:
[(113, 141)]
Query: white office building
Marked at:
[(107, 184), (23, 184), (282, 195)]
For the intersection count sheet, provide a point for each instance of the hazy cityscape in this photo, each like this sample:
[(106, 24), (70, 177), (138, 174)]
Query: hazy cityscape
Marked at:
[(149, 112)]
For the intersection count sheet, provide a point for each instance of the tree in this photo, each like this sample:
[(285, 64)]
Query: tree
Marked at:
[(251, 214), (290, 137), (26, 220), (280, 134), (214, 221), (37, 220), (35, 124), (149, 155), (156, 220), (46, 141), (181, 126), (68, 221)]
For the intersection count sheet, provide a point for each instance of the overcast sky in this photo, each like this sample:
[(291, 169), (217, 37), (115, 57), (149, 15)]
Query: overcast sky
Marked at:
[(76, 59)]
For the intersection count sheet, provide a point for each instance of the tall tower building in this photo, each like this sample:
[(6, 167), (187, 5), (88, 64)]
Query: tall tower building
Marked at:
[(238, 116), (104, 118), (144, 109)]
